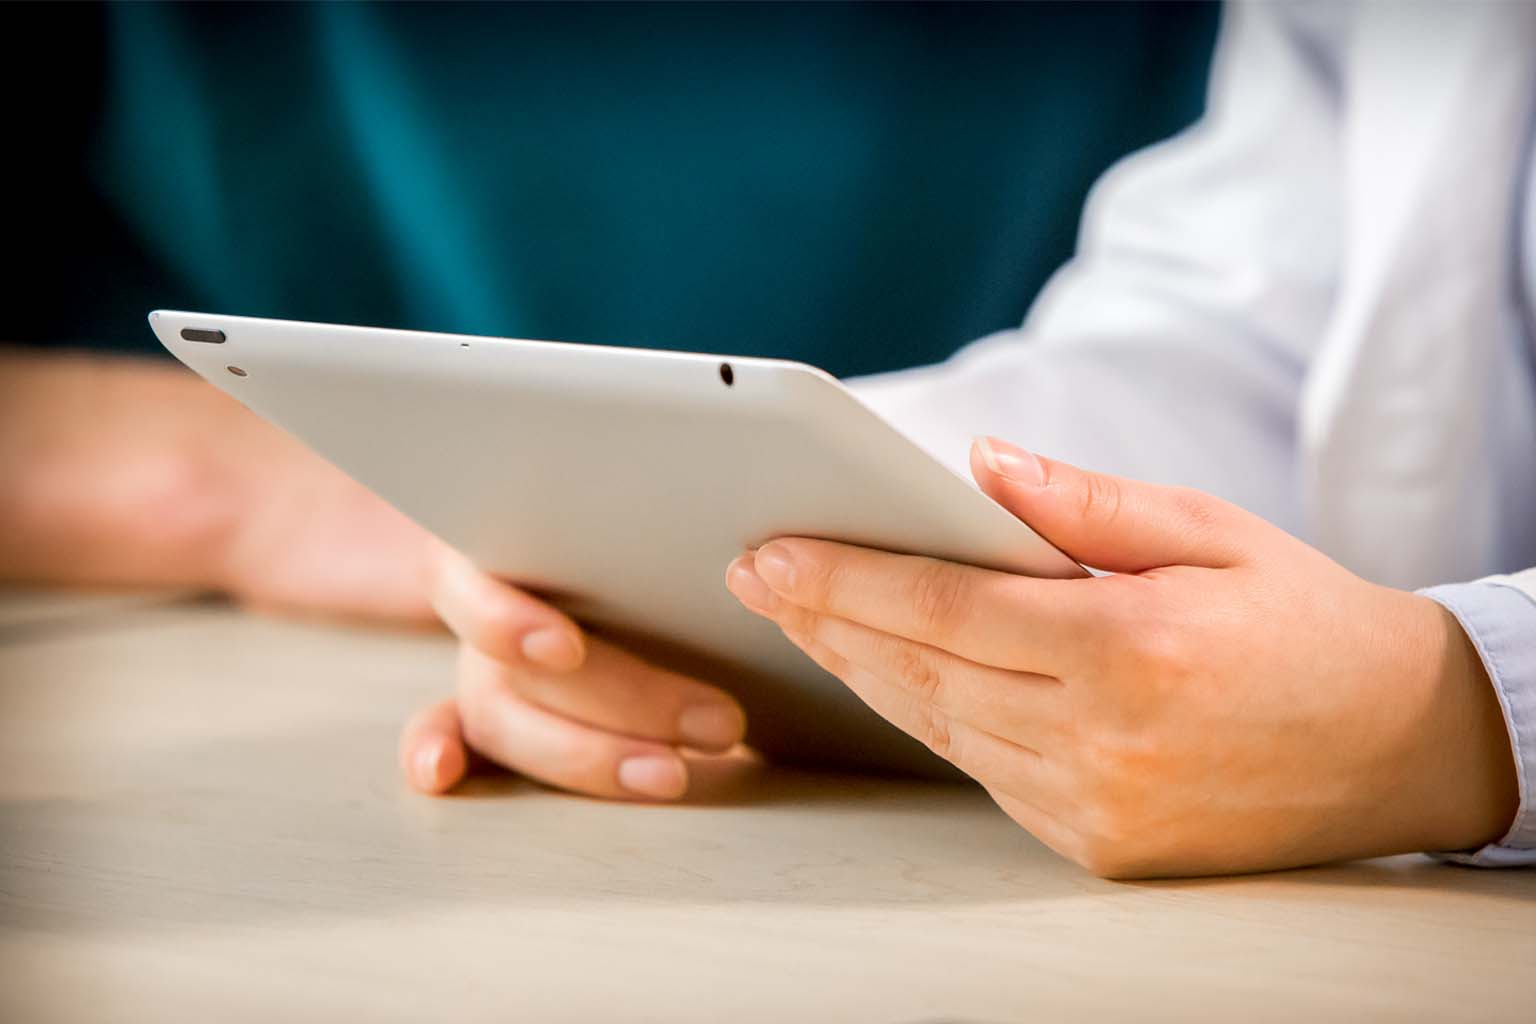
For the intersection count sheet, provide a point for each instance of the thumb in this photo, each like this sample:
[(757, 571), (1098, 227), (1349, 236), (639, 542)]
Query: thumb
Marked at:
[(1110, 522)]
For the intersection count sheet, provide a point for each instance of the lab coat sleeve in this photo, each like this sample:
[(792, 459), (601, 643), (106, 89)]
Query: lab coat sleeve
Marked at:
[(1173, 346), (1499, 615)]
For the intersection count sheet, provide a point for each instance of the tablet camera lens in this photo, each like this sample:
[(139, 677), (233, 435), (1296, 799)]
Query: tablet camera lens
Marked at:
[(727, 374)]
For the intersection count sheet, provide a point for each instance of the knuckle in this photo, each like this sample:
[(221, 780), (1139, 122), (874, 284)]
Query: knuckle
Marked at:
[(1100, 499), (822, 582), (918, 673), (1115, 810), (937, 595), (1119, 762), (805, 623), (1161, 651), (1114, 769), (935, 732)]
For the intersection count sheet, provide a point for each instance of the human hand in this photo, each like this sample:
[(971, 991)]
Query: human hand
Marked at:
[(134, 472), (1231, 700), (538, 696), (534, 693)]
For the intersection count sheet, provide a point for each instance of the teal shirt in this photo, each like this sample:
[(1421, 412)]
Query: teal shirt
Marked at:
[(862, 187)]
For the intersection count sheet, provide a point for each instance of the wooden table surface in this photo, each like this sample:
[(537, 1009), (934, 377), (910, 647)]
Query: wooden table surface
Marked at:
[(200, 819)]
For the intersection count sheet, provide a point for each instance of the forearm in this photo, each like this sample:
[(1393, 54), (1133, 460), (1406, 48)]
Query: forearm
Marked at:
[(111, 471)]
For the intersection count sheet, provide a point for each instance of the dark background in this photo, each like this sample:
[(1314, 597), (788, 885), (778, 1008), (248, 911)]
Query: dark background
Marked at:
[(863, 187)]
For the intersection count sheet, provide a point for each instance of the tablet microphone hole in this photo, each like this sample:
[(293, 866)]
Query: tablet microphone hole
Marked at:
[(727, 374), (236, 371)]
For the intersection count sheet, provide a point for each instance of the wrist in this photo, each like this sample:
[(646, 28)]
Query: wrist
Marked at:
[(111, 476), (1467, 791), (182, 486), (190, 511)]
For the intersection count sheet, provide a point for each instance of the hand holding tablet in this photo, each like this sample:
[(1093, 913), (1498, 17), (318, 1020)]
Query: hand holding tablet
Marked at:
[(616, 484), (1230, 699)]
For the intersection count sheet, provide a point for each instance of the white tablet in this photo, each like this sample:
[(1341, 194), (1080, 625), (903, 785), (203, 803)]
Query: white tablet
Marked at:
[(620, 482)]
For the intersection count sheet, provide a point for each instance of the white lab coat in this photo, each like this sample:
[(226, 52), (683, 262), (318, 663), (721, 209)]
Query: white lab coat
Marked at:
[(1310, 303)]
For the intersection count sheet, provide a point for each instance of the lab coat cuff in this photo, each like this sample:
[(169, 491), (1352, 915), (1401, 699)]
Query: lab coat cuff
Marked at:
[(1500, 619)]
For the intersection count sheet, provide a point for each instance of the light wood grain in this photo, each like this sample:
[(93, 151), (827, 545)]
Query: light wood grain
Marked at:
[(200, 818)]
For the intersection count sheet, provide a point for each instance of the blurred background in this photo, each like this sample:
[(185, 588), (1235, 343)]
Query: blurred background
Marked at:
[(861, 187)]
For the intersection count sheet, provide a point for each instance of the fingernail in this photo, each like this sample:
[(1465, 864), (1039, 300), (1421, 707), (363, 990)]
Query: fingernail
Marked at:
[(653, 775), (742, 580), (710, 726), (1011, 462), (777, 568), (425, 763), (553, 647)]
